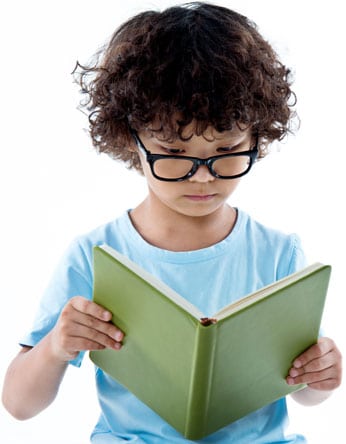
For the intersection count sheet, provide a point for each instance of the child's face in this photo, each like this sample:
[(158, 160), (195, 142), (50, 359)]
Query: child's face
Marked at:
[(201, 194)]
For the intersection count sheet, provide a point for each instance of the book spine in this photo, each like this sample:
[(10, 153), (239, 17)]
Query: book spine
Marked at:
[(201, 381)]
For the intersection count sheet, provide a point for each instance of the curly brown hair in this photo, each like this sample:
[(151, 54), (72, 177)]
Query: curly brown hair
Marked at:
[(195, 62)]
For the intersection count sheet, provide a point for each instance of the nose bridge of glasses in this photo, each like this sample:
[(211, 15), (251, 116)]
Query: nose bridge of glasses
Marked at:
[(203, 162), (202, 170)]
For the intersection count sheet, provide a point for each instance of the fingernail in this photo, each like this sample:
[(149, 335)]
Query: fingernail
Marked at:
[(118, 336), (294, 373), (106, 315), (290, 381), (297, 364)]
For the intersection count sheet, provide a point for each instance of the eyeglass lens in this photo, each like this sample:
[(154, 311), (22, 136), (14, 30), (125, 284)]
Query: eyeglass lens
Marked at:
[(225, 166)]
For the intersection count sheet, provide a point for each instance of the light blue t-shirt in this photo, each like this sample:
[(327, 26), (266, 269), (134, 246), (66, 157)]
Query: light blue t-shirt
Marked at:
[(251, 257)]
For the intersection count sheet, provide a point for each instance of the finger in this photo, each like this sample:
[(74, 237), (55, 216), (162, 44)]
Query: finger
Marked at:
[(324, 380), (315, 365), (321, 348), (82, 344), (326, 385), (83, 305), (324, 373), (103, 327), (77, 324), (90, 339)]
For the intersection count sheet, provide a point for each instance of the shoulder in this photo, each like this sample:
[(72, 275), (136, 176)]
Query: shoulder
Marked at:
[(257, 231), (109, 233), (270, 234), (77, 259)]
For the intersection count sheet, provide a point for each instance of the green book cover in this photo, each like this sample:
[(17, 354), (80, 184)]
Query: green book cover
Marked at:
[(202, 374)]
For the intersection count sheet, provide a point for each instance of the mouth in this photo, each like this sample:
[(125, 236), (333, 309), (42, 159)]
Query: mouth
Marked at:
[(200, 197)]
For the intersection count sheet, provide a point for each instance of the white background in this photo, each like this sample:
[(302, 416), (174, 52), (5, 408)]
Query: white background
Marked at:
[(54, 187)]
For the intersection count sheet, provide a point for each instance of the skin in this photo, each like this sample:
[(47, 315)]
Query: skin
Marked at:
[(177, 216)]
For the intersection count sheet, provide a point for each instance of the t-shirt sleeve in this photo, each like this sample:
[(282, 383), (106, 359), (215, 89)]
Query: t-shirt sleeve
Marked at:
[(72, 277), (298, 258), (292, 257)]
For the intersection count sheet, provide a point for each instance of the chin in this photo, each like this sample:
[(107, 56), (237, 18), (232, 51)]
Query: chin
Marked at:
[(200, 210)]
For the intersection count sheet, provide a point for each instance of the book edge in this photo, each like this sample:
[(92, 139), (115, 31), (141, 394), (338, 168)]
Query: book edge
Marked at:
[(226, 311), (268, 290), (153, 281)]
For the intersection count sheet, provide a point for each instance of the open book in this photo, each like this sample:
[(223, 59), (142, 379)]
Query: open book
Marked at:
[(200, 374)]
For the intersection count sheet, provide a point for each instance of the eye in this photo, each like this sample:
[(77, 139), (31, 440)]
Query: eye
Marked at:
[(226, 149), (172, 151), (232, 149)]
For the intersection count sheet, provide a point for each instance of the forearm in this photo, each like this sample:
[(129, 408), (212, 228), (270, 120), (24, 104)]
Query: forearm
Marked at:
[(32, 380), (34, 376)]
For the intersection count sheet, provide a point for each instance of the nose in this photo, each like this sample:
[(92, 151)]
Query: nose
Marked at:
[(202, 175)]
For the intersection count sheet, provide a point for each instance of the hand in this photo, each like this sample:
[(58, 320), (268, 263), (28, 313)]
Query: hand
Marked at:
[(319, 367), (83, 325)]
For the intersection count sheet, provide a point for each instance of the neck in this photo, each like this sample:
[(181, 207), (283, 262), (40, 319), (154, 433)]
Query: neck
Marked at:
[(178, 232)]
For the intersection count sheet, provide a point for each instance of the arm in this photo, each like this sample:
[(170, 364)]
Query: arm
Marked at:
[(34, 376), (320, 367)]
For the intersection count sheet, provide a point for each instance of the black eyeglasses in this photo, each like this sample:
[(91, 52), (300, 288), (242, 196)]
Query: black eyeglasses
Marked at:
[(174, 168)]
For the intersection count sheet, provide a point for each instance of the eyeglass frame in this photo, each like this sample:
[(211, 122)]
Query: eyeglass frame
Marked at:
[(196, 161)]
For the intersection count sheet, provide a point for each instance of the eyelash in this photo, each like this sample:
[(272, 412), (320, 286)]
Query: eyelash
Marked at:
[(226, 149), (222, 149), (175, 151)]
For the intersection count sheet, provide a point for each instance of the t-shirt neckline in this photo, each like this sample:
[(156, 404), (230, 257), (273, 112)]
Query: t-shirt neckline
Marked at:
[(183, 256)]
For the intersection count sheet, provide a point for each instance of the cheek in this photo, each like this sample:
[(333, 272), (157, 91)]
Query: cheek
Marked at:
[(236, 182), (226, 187), (164, 190), (146, 172)]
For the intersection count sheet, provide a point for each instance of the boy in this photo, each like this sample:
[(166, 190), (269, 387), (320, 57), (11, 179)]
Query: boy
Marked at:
[(189, 97)]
